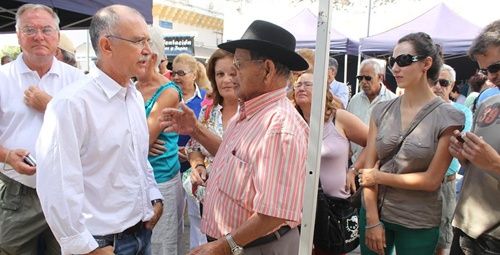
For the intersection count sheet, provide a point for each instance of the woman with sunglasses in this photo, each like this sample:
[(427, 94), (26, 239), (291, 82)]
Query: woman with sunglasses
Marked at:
[(222, 76), (339, 129), (402, 206)]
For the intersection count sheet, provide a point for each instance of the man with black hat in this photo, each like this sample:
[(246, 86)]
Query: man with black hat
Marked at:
[(253, 198)]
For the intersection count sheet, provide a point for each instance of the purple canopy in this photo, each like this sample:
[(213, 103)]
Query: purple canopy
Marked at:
[(451, 31), (304, 26), (74, 14)]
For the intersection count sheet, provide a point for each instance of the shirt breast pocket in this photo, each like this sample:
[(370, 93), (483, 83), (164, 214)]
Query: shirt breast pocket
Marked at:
[(417, 147), (236, 181)]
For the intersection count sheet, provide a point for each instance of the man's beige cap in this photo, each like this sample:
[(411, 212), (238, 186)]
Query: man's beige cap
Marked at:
[(66, 44)]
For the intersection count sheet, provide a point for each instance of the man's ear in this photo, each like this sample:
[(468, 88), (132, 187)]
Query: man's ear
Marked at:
[(269, 69), (104, 45)]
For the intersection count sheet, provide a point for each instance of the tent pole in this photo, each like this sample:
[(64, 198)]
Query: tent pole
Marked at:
[(88, 50), (316, 128), (345, 68), (359, 62)]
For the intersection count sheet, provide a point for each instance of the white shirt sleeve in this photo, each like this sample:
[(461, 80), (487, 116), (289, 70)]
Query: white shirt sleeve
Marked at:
[(154, 192), (60, 184)]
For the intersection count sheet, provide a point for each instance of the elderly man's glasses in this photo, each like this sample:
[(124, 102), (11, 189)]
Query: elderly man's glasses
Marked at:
[(141, 43), (493, 68), (31, 31), (404, 60), (443, 83), (181, 73), (238, 63), (305, 84), (361, 77)]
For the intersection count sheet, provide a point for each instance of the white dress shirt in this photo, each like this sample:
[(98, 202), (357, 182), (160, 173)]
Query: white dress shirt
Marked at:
[(94, 177), (19, 123), (361, 106)]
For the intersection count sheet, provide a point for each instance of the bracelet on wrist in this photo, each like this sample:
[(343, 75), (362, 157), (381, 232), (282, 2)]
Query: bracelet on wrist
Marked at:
[(374, 225), (200, 164)]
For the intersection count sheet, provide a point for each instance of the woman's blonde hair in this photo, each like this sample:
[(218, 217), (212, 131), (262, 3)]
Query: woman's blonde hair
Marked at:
[(188, 60), (201, 76)]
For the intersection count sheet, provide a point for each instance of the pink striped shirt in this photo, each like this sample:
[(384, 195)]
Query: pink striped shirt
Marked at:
[(259, 167)]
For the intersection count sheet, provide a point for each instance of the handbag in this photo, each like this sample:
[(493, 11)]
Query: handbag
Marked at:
[(355, 199), (336, 225)]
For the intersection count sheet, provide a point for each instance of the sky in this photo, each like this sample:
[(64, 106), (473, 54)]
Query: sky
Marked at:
[(351, 22)]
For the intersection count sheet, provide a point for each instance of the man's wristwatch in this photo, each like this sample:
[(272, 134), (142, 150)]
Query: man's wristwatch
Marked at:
[(155, 201), (235, 248)]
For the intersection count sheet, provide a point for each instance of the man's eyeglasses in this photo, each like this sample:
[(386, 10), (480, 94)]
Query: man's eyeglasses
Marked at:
[(141, 43), (237, 63), (181, 73), (361, 77), (443, 83), (404, 60), (31, 31), (493, 68), (306, 84)]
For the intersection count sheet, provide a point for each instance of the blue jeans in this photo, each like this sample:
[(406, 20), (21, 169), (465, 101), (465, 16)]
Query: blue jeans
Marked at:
[(464, 244), (138, 243)]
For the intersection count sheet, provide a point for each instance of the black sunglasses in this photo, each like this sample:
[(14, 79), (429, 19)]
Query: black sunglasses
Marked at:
[(361, 77), (180, 73), (404, 60), (443, 83), (493, 68)]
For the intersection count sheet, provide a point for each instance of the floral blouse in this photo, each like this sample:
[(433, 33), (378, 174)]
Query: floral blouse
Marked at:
[(214, 123)]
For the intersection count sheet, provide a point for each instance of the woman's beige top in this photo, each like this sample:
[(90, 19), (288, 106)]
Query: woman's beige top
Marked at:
[(411, 208)]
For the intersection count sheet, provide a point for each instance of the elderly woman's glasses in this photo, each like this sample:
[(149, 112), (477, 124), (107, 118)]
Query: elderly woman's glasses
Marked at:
[(141, 43), (181, 73), (493, 68), (31, 31), (361, 77), (404, 60)]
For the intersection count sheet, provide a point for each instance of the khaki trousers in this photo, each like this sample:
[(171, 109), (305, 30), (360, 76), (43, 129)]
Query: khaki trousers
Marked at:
[(23, 229)]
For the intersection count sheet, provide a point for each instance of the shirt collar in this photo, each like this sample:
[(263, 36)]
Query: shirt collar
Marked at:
[(110, 87), (251, 107), (55, 68), (197, 93)]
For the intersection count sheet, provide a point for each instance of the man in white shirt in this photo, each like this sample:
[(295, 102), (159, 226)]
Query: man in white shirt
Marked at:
[(95, 184), (339, 90), (27, 85), (371, 75)]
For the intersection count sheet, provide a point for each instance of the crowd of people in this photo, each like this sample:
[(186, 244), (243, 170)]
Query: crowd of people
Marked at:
[(107, 162)]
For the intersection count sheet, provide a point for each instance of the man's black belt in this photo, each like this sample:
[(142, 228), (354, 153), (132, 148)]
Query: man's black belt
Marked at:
[(264, 239), (106, 240)]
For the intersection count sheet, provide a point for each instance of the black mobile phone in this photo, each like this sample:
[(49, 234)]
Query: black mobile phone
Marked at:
[(460, 138), (30, 160)]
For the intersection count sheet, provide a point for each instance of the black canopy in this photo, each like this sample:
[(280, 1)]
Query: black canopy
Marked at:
[(74, 14)]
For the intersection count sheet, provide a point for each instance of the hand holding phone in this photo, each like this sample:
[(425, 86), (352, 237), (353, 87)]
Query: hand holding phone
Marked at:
[(29, 160)]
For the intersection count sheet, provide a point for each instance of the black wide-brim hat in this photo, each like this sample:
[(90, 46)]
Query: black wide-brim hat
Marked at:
[(270, 40)]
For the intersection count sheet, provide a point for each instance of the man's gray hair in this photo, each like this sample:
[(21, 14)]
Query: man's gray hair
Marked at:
[(32, 7), (378, 65), (332, 63), (103, 22), (490, 36), (451, 71)]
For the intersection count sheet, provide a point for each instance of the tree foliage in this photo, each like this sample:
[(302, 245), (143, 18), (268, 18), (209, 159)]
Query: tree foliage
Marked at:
[(11, 51)]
